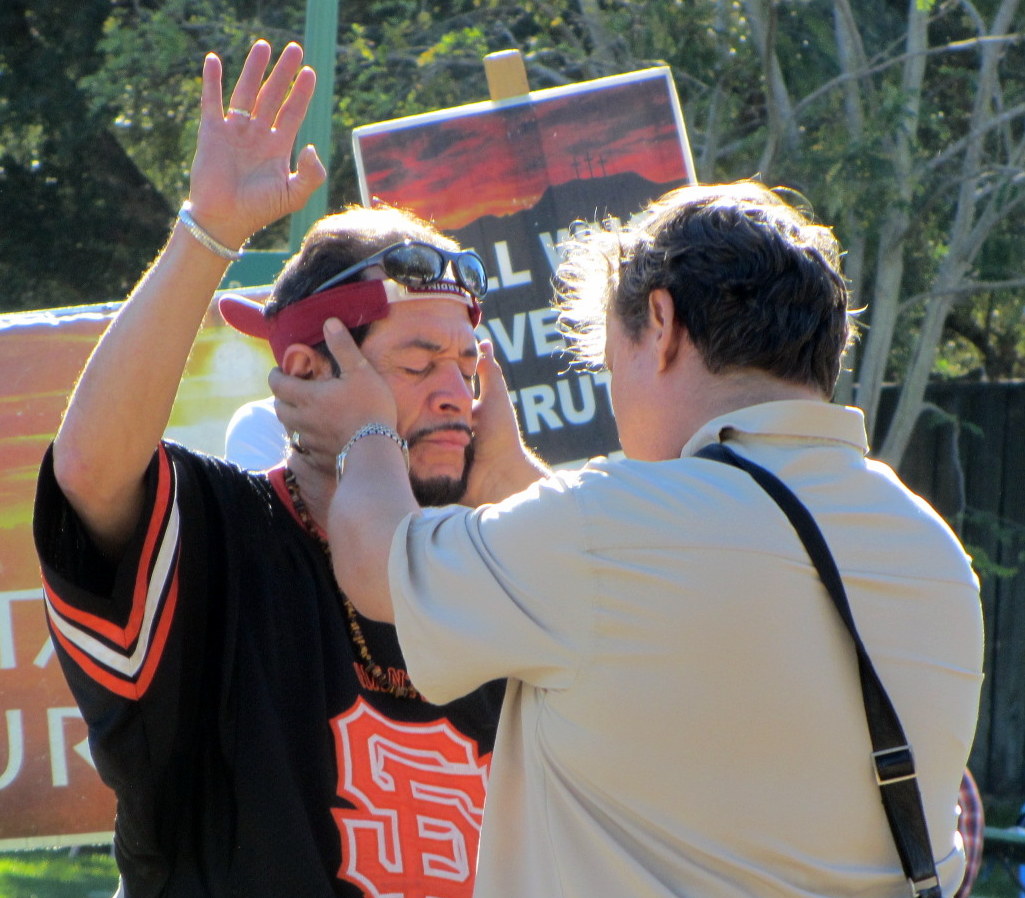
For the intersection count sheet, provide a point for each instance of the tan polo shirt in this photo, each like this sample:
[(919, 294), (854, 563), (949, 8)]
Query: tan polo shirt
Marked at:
[(684, 715)]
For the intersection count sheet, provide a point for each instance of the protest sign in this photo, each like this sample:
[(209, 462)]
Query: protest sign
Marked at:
[(507, 179)]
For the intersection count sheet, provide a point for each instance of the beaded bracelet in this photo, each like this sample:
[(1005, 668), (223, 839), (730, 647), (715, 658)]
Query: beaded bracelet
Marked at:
[(365, 431), (205, 238)]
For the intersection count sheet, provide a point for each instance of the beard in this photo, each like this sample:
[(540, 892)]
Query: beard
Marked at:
[(434, 491)]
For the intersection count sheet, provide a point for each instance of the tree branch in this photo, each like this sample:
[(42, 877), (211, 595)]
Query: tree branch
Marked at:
[(963, 290), (953, 47)]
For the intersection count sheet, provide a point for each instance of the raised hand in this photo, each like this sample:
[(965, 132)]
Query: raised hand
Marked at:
[(241, 181), (241, 177)]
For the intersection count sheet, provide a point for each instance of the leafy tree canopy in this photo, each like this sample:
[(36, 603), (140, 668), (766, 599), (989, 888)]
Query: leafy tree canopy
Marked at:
[(902, 122)]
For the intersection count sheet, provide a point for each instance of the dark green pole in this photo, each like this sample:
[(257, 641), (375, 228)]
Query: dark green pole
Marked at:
[(320, 45)]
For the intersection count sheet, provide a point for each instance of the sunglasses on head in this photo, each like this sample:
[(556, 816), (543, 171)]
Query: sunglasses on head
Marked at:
[(415, 264)]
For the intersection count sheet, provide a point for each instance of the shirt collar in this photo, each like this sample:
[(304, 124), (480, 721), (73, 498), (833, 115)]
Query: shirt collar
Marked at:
[(791, 419)]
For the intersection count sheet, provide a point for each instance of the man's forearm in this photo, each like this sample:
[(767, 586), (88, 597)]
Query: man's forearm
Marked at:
[(122, 402), (241, 180), (370, 502)]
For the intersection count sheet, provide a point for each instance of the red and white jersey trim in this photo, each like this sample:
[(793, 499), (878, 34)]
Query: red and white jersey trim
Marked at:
[(123, 659)]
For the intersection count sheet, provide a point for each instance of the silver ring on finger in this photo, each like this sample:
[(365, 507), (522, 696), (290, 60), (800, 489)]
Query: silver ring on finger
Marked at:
[(242, 113), (296, 442)]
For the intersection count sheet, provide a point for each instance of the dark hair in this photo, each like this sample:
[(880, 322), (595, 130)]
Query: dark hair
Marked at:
[(337, 241), (755, 282)]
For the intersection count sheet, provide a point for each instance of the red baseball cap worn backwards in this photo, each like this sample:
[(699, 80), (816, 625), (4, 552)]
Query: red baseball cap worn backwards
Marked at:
[(353, 304)]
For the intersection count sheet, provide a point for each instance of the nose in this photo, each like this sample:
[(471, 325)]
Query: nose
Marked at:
[(451, 393)]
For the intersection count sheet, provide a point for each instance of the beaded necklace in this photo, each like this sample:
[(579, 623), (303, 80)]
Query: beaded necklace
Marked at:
[(373, 669)]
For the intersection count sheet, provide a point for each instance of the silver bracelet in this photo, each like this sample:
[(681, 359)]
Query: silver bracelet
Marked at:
[(365, 431), (206, 239)]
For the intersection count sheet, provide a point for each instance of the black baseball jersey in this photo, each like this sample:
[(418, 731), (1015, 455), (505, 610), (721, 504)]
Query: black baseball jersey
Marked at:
[(250, 752)]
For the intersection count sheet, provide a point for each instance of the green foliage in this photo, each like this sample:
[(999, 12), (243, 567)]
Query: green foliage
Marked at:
[(152, 57), (99, 100), (57, 873), (149, 76), (1004, 538), (985, 567), (61, 178)]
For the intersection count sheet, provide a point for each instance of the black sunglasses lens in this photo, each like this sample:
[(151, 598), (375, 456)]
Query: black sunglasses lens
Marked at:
[(414, 265), (418, 264), (471, 274)]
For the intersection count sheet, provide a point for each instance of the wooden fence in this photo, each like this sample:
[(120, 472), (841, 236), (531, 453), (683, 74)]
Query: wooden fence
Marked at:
[(967, 457)]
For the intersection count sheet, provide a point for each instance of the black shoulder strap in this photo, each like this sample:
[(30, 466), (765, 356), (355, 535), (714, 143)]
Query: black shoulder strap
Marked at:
[(891, 756)]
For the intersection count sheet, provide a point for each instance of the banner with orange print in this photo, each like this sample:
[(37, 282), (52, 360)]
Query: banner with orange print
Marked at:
[(50, 793)]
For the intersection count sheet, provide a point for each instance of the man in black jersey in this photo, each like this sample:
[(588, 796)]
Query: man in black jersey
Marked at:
[(263, 739)]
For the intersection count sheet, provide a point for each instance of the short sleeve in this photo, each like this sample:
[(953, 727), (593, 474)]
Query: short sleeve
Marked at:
[(111, 621), (496, 592)]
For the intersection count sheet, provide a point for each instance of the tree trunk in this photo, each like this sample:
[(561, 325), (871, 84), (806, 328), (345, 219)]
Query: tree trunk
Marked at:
[(782, 126), (851, 55), (967, 234), (885, 302)]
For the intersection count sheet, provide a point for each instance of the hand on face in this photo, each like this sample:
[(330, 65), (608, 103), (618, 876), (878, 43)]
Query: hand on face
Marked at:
[(241, 178), (326, 412), (501, 465)]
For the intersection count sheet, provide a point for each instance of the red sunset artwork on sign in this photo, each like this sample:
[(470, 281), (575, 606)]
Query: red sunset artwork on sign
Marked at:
[(498, 159)]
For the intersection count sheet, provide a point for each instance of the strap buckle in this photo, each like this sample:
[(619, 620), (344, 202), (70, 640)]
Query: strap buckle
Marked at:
[(926, 887), (894, 765)]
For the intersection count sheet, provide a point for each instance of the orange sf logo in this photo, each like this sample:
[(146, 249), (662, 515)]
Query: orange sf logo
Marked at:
[(418, 791)]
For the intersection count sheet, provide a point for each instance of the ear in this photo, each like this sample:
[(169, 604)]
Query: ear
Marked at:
[(300, 360), (666, 331)]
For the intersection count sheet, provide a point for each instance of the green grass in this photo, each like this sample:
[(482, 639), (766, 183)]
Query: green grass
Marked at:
[(997, 879), (91, 874), (57, 873)]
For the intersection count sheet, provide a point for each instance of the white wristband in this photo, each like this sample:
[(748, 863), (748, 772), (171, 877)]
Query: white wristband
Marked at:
[(365, 431), (206, 239)]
